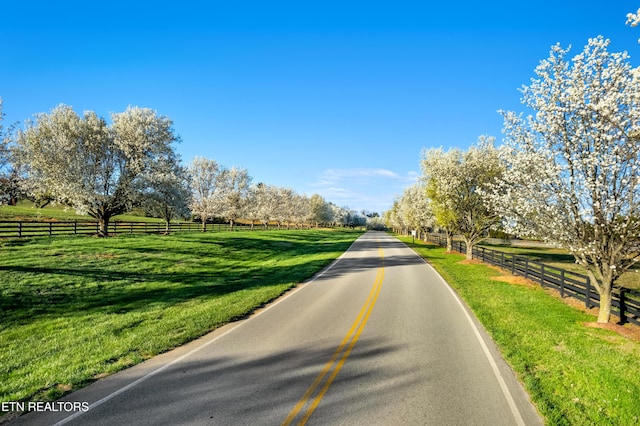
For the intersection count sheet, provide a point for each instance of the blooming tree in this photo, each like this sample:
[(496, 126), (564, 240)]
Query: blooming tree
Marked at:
[(10, 179), (4, 141), (320, 210), (572, 174), (206, 189), (165, 190), (283, 198), (252, 209), (394, 218), (454, 180), (415, 208), (234, 187), (91, 166)]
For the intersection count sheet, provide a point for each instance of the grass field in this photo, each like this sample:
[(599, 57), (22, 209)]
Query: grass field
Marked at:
[(561, 258), (576, 375), (75, 308)]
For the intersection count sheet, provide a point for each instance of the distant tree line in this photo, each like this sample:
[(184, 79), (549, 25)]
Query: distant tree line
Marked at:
[(105, 169)]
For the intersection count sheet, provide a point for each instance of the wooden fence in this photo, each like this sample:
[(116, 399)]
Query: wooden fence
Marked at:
[(20, 229), (625, 303)]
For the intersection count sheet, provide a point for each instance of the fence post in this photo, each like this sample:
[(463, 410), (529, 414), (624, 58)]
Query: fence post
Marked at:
[(75, 227), (50, 228), (562, 283), (20, 229), (587, 300), (115, 228), (502, 259), (542, 274), (623, 307), (513, 264), (526, 267)]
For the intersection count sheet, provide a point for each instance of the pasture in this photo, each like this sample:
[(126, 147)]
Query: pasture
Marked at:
[(73, 309)]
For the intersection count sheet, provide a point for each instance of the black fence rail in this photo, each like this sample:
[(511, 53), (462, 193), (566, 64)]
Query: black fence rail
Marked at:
[(21, 229), (625, 303)]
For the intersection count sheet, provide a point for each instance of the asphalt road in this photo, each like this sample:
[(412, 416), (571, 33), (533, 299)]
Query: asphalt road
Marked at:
[(377, 339)]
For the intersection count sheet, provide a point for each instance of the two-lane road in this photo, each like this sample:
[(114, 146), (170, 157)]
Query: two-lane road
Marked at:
[(378, 338)]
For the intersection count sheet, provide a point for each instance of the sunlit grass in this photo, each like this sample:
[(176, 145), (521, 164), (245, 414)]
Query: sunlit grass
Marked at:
[(75, 308), (575, 375)]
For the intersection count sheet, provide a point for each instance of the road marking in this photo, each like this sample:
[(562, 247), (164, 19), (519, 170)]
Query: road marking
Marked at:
[(198, 348), (492, 362), (350, 338)]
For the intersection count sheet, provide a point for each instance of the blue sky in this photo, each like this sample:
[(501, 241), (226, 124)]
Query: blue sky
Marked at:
[(335, 98)]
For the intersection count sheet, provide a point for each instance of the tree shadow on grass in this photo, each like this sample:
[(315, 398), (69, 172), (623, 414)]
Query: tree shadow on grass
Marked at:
[(120, 291), (84, 286)]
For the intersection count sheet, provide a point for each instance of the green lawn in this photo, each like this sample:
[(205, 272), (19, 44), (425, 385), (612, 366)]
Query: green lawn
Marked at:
[(575, 375), (75, 308)]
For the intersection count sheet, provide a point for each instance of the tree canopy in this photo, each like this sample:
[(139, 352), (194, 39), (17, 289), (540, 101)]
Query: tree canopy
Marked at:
[(83, 162), (572, 174)]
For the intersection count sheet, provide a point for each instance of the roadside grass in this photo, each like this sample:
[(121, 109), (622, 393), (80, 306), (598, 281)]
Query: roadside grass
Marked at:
[(73, 309), (576, 375), (561, 258)]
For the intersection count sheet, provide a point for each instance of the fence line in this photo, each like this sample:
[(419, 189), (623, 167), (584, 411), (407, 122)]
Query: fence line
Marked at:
[(21, 229), (625, 302)]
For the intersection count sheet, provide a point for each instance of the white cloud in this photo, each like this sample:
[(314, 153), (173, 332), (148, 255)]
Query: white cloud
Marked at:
[(338, 174), (370, 189)]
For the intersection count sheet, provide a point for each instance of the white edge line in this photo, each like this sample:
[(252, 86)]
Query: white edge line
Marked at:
[(494, 366), (194, 350)]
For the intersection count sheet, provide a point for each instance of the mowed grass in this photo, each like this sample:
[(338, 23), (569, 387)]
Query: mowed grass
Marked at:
[(576, 375), (73, 309)]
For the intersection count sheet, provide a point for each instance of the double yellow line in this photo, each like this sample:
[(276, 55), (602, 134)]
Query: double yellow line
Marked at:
[(334, 365)]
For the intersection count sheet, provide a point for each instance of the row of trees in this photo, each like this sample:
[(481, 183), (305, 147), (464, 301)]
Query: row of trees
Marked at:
[(105, 169), (568, 174)]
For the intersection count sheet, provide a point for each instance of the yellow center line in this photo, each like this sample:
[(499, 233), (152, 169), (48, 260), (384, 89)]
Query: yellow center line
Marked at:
[(352, 336)]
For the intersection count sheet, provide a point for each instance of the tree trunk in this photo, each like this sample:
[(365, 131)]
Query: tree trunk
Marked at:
[(103, 226), (204, 224), (449, 243), (469, 250), (230, 224), (167, 228), (604, 314)]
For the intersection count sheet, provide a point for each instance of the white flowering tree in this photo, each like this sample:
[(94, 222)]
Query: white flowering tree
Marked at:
[(10, 178), (84, 163), (206, 189), (165, 190), (4, 141), (415, 208), (320, 210), (264, 203), (284, 201), (394, 218), (252, 209), (300, 210), (453, 180), (573, 168), (235, 183)]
